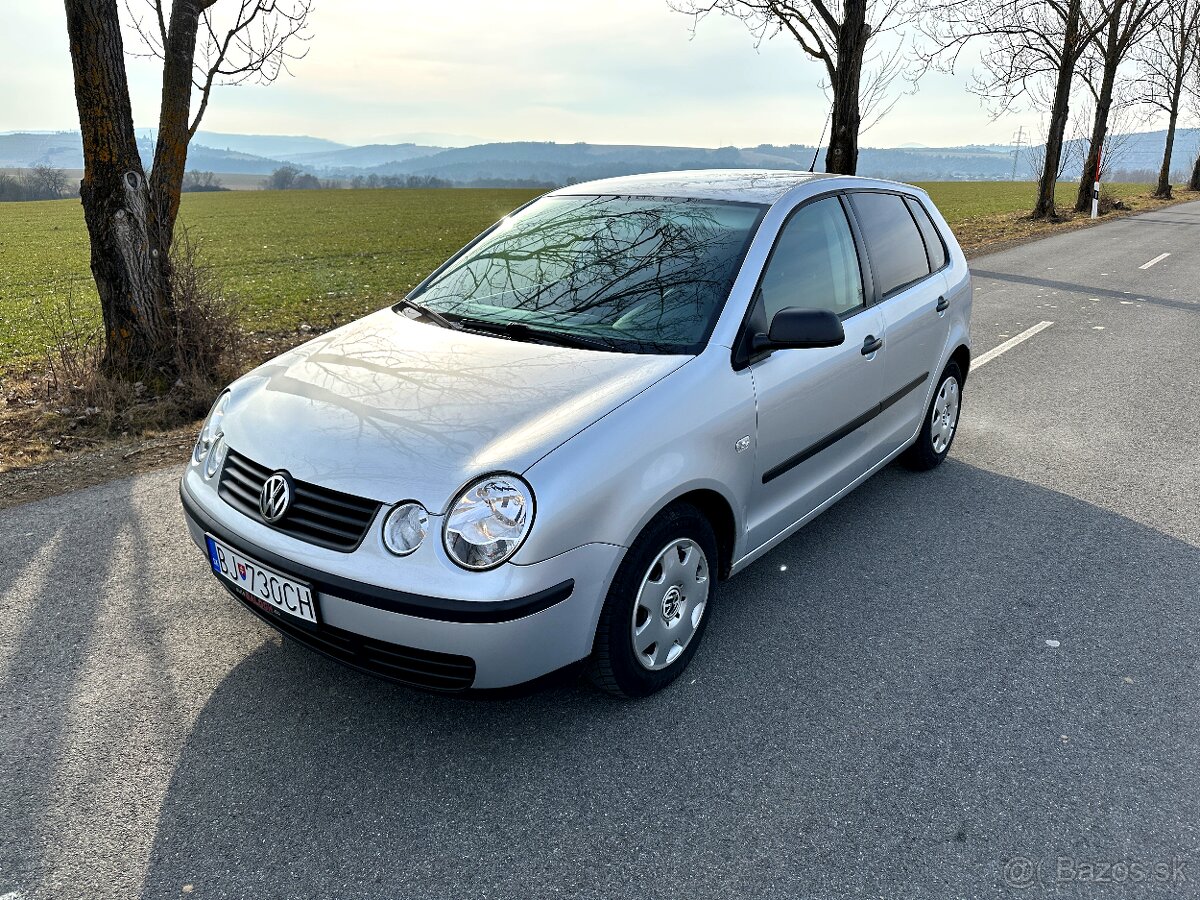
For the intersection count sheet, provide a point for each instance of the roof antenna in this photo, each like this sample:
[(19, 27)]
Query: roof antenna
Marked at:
[(817, 149)]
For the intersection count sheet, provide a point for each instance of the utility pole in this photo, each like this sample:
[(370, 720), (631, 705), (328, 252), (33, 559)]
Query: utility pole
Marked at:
[(1018, 139)]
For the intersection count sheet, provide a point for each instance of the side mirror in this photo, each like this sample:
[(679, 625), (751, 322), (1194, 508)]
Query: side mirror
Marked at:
[(798, 328)]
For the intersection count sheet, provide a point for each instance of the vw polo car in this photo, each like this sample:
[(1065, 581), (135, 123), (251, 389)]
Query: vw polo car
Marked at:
[(559, 444)]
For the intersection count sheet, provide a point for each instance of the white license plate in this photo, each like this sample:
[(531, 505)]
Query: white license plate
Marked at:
[(262, 586)]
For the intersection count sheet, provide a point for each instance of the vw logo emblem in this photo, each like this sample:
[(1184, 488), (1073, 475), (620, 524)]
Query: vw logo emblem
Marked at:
[(276, 497)]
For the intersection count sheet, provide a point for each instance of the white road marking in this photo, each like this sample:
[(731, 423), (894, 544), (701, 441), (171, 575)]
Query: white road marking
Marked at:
[(1009, 344), (13, 895), (1156, 259)]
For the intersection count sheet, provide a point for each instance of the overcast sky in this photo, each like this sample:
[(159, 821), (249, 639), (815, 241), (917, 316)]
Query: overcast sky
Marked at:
[(604, 71)]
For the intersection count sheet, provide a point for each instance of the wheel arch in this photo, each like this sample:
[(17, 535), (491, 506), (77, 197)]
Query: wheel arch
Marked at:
[(962, 356), (715, 507)]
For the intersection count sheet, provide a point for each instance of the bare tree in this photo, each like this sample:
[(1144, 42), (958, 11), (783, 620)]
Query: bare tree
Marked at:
[(42, 182), (1168, 61), (1035, 157), (200, 182), (1034, 50), (48, 182), (1125, 120), (844, 39), (131, 218), (1124, 23), (289, 178)]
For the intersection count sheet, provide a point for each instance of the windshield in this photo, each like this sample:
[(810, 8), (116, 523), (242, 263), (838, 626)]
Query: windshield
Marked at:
[(624, 273)]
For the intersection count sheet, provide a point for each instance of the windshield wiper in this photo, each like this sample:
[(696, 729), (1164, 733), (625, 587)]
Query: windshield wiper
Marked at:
[(436, 317), (520, 331)]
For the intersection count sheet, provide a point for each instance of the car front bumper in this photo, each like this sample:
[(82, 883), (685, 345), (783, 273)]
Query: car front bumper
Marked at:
[(482, 629)]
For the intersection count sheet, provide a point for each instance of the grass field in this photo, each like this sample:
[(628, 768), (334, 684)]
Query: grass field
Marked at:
[(314, 256)]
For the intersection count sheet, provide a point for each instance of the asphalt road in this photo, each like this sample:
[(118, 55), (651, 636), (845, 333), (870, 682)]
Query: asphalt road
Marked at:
[(878, 710)]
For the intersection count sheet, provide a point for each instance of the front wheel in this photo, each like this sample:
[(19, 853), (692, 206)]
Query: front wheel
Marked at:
[(654, 615), (940, 424)]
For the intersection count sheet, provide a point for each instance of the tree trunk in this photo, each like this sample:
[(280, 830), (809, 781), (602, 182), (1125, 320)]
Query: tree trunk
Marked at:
[(1163, 189), (846, 81), (170, 154), (1194, 184), (127, 256), (1059, 110), (1083, 200)]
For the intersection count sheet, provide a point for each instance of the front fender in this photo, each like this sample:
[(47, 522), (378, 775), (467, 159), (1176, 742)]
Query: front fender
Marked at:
[(680, 435)]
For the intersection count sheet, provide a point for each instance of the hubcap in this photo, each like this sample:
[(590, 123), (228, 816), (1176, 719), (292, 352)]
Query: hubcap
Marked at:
[(670, 604), (944, 418)]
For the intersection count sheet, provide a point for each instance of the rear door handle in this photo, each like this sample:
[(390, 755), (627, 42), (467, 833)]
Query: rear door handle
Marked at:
[(871, 344), (943, 304)]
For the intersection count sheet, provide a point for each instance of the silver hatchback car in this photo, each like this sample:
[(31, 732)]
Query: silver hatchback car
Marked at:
[(556, 447)]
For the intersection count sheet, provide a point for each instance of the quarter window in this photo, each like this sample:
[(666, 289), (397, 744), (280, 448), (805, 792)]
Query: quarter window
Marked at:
[(933, 241), (814, 264), (893, 241)]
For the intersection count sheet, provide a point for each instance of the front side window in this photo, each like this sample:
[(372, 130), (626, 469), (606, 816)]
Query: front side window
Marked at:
[(630, 274), (893, 242), (814, 264)]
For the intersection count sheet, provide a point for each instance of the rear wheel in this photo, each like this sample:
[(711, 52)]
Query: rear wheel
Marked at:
[(655, 612), (940, 424)]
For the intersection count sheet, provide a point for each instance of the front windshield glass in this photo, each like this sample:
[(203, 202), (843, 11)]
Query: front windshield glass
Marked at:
[(627, 273)]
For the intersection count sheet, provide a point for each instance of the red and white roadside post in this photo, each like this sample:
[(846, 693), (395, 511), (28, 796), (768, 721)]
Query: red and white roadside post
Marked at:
[(1096, 186)]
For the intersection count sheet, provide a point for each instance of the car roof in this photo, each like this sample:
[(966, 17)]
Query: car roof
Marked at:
[(741, 185)]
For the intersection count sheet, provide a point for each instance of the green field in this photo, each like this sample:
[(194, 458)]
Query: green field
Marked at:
[(961, 201), (294, 257)]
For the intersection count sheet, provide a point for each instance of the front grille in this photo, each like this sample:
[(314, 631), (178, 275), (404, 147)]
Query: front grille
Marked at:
[(406, 665), (317, 515)]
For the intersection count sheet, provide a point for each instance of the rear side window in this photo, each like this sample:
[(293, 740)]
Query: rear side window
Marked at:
[(893, 241), (814, 264), (933, 241)]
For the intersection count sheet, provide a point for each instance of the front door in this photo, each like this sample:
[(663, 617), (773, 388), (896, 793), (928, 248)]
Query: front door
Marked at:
[(815, 406)]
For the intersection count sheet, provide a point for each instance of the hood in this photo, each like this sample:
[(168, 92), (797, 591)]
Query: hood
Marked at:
[(392, 409)]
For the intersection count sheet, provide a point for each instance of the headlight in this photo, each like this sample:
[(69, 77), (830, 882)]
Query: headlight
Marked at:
[(405, 528), (488, 522), (211, 430)]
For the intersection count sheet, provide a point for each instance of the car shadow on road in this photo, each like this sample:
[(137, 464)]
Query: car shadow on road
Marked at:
[(877, 710)]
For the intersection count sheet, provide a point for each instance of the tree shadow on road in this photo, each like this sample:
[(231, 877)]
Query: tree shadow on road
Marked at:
[(876, 711), (94, 637)]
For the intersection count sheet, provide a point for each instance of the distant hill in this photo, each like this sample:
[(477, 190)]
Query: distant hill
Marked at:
[(59, 148), (363, 157), (551, 163), (64, 149), (564, 163), (271, 146)]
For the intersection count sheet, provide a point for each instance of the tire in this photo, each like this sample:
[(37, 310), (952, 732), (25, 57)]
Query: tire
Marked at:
[(933, 443), (649, 627)]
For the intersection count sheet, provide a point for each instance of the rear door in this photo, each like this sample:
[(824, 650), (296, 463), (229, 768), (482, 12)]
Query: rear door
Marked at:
[(814, 405), (911, 293)]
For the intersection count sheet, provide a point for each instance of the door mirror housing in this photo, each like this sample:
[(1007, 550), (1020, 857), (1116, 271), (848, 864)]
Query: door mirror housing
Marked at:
[(801, 329)]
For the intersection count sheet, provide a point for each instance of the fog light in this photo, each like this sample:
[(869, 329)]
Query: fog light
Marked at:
[(405, 528), (216, 456)]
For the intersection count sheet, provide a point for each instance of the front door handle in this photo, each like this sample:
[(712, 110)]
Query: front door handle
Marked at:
[(943, 304), (871, 344)]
